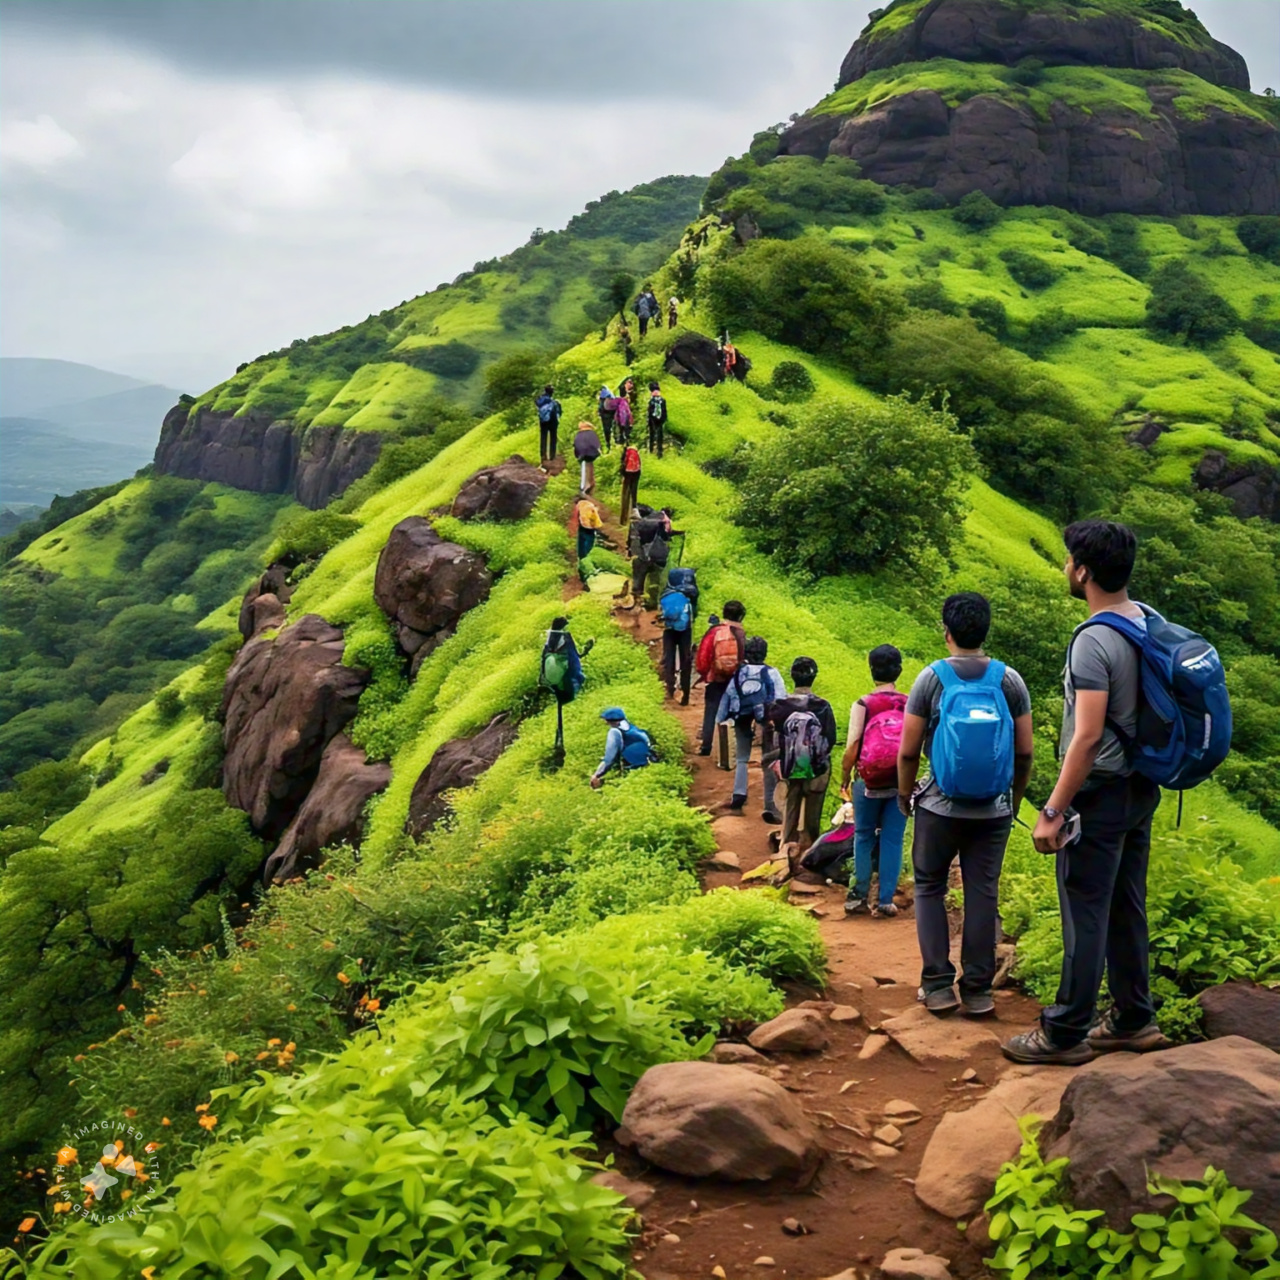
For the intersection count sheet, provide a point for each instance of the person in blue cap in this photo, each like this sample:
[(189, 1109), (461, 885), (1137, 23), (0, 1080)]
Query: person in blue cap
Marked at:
[(625, 747)]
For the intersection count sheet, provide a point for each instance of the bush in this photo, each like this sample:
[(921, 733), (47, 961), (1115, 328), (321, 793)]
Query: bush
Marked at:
[(854, 487), (977, 211), (1124, 245), (1183, 305), (514, 379), (309, 535), (1029, 269), (445, 359), (931, 295), (792, 381), (1046, 329), (1261, 236), (990, 316)]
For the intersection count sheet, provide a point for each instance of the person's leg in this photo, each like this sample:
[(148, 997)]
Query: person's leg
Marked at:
[(555, 440), (639, 571), (865, 818), (1128, 958), (813, 798), (893, 826), (744, 732), (1086, 879), (792, 804), (932, 853), (982, 846), (661, 432), (684, 651), (714, 691), (544, 433), (669, 662), (657, 580)]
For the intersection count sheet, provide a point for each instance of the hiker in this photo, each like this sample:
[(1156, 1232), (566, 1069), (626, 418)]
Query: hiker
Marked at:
[(649, 544), (754, 686), (1102, 875), (625, 747), (586, 448), (677, 608), (623, 417), (549, 411), (728, 357), (624, 338), (972, 716), (657, 418), (645, 308), (720, 654), (560, 670), (630, 469), (799, 737), (673, 311), (606, 407), (589, 523), (628, 389), (875, 733)]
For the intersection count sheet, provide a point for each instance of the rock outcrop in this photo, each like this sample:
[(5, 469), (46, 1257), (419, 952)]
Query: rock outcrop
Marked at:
[(333, 811), (457, 763), (1175, 1113), (425, 584), (1001, 32), (1241, 1009), (703, 1120), (264, 602), (505, 492), (254, 451), (1253, 488), (694, 359), (283, 702)]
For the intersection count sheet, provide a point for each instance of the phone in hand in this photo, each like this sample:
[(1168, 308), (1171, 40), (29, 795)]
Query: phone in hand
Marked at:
[(1070, 832)]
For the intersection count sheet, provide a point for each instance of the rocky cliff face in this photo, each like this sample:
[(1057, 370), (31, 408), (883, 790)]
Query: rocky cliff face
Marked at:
[(1028, 146), (255, 452)]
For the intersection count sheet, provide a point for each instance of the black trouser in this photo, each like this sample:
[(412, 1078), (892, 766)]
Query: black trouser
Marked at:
[(655, 436), (1102, 893), (676, 645), (644, 325), (606, 425), (630, 494), (547, 440), (711, 714), (979, 843)]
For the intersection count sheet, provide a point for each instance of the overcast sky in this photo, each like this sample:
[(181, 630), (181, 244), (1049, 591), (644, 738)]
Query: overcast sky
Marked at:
[(185, 184)]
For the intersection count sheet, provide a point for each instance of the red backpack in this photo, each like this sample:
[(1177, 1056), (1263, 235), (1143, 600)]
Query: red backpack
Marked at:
[(881, 736), (630, 460), (718, 654)]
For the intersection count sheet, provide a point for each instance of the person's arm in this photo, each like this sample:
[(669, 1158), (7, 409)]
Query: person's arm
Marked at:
[(612, 750), (1023, 757), (909, 749), (857, 722), (827, 717), (1091, 720)]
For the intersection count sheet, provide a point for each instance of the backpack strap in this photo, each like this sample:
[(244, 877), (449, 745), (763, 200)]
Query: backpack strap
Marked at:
[(946, 673), (1135, 635)]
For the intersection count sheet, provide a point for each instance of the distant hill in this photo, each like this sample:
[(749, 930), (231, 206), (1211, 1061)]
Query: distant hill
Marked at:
[(38, 461), (29, 384), (126, 418)]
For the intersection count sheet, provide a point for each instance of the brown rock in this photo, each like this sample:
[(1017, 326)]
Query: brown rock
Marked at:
[(1252, 488), (889, 1134), (883, 1151), (282, 704), (872, 1045), (263, 604), (967, 1148), (923, 1036), (844, 1013), (902, 1112), (1241, 1009), (792, 1031), (425, 585), (456, 763), (722, 860), (505, 492), (915, 1264), (333, 812), (726, 1051), (701, 1119), (636, 1194), (1173, 1112)]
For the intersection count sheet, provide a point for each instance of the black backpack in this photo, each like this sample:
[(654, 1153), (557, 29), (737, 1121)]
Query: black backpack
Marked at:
[(642, 534)]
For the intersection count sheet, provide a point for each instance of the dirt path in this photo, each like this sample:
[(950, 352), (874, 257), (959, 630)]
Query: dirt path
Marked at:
[(862, 1203)]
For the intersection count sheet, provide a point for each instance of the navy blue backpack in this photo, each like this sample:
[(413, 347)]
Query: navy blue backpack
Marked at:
[(1184, 718)]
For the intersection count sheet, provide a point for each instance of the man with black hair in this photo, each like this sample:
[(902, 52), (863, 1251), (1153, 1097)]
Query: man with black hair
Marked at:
[(965, 694), (657, 418), (1102, 877), (796, 753), (549, 411), (720, 654), (754, 686)]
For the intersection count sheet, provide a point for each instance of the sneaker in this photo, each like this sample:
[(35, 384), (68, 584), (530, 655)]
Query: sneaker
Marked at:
[(855, 906), (943, 1000), (704, 751), (1107, 1038), (886, 909), (738, 803), (1035, 1047), (979, 1005), (684, 698), (771, 818)]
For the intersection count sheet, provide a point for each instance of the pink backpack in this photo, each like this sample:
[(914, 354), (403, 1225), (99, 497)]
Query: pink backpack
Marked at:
[(881, 736)]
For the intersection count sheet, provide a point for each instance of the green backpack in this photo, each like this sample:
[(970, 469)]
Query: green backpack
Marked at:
[(555, 673)]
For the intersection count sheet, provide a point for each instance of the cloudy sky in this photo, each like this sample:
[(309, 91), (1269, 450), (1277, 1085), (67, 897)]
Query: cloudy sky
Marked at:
[(187, 183)]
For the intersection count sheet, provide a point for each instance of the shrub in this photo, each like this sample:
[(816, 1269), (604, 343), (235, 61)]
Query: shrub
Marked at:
[(1047, 328), (977, 211), (792, 381), (1029, 71), (852, 487), (990, 316), (931, 295), (513, 379), (1124, 245), (309, 535), (1261, 236), (445, 359), (1183, 305), (1029, 269)]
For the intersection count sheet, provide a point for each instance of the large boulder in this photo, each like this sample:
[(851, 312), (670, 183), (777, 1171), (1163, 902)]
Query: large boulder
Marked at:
[(505, 492), (425, 584), (1174, 1113), (1252, 488), (283, 702), (704, 1120), (264, 602), (792, 1031), (457, 763), (1241, 1009), (694, 359), (967, 1148), (333, 811)]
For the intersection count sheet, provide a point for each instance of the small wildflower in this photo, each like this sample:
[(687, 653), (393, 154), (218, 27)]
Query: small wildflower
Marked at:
[(63, 1206), (130, 1112), (164, 1120), (202, 1106), (231, 1057), (25, 1225), (342, 978), (67, 1155), (207, 1122)]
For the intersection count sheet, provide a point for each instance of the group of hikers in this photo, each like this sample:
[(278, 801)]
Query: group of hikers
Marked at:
[(969, 715), (648, 310)]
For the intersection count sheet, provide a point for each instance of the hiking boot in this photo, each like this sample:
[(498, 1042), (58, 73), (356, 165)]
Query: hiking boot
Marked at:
[(684, 698), (738, 803), (943, 1000), (1035, 1047), (1107, 1038), (704, 751), (886, 909), (771, 818), (978, 1005), (854, 906)]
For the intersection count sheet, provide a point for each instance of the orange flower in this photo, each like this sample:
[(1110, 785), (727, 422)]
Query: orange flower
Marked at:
[(275, 1040), (152, 1146), (119, 1008), (25, 1225), (327, 945), (266, 1053), (79, 1057), (374, 1005), (291, 1008), (342, 978), (290, 1047), (165, 1121), (124, 1195), (67, 1155), (203, 1106), (151, 1019), (207, 1122), (63, 1206), (202, 992), (231, 1057), (130, 1112), (148, 1273)]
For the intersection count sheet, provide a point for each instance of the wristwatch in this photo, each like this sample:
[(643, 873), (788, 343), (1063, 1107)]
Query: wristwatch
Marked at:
[(1051, 813)]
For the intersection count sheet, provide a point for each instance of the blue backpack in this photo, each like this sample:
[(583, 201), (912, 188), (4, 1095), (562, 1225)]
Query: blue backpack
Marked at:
[(971, 755), (1184, 718), (548, 410), (637, 749), (676, 611)]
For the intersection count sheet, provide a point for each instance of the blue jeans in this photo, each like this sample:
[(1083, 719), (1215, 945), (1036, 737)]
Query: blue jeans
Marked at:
[(870, 815)]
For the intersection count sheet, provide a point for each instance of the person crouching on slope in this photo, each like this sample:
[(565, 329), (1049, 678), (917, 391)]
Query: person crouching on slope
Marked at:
[(625, 747)]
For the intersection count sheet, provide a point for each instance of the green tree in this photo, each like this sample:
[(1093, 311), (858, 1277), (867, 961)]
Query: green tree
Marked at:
[(977, 211), (1183, 305), (509, 382), (855, 487)]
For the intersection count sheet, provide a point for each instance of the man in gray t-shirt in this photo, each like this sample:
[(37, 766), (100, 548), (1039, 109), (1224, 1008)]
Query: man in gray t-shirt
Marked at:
[(947, 829), (1101, 659)]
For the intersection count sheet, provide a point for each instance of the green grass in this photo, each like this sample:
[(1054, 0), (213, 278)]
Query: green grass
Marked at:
[(74, 550)]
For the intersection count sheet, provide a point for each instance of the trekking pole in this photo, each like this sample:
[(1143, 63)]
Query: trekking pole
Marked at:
[(680, 557), (558, 750)]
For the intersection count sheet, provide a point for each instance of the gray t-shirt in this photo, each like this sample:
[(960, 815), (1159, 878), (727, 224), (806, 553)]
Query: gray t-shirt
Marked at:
[(925, 699), (1103, 660)]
